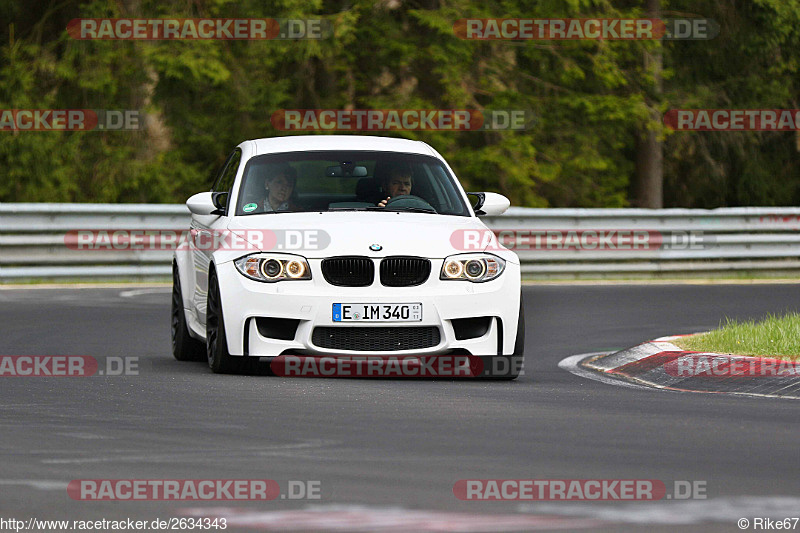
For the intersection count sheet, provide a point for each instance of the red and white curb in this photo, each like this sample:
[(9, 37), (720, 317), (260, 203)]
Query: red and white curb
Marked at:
[(662, 365)]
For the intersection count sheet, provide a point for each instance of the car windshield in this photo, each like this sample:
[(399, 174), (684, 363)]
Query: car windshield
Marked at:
[(348, 180)]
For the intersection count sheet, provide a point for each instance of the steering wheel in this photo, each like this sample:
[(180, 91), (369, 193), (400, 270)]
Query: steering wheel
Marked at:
[(409, 200)]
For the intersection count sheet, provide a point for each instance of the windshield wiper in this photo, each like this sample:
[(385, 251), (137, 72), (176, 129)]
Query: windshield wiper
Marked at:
[(398, 209), (411, 209), (388, 209)]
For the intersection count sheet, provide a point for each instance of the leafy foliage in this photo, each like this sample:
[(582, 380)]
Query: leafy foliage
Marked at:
[(590, 98)]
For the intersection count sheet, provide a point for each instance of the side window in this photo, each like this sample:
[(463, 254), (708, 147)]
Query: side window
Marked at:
[(225, 180), (220, 172)]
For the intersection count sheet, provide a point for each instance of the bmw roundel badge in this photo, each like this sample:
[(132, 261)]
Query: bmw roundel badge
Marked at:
[(375, 247)]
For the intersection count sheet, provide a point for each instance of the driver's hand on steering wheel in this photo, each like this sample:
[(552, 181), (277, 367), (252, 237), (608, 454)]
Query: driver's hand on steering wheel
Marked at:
[(382, 203)]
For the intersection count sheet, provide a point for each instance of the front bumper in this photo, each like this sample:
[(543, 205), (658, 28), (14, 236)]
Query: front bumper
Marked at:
[(311, 304)]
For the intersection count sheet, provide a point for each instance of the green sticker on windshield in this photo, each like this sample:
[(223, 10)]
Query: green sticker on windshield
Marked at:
[(249, 207)]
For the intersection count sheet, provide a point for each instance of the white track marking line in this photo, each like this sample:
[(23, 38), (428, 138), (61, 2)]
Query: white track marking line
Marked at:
[(191, 456), (41, 484), (366, 519), (139, 292), (724, 509), (571, 365)]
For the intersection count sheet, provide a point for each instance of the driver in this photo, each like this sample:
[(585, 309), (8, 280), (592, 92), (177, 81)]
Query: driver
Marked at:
[(398, 182)]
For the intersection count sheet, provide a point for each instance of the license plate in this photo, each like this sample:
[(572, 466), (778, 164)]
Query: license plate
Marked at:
[(377, 312)]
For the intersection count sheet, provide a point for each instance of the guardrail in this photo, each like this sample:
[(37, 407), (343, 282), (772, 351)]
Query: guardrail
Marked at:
[(32, 240), (693, 242), (551, 243)]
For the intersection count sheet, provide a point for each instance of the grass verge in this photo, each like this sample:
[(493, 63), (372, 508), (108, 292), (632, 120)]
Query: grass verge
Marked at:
[(774, 336)]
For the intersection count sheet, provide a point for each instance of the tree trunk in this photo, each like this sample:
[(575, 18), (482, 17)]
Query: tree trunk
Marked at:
[(649, 184)]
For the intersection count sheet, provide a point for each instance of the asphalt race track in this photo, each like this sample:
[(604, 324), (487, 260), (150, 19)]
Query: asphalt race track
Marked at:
[(388, 452)]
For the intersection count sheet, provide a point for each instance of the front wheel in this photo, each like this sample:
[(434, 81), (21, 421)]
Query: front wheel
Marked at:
[(184, 346), (509, 367), (219, 359), (519, 343)]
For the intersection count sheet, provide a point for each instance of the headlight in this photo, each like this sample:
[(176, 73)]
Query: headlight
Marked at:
[(271, 268), (476, 268)]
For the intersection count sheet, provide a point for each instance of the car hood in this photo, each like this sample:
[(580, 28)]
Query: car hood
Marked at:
[(319, 235)]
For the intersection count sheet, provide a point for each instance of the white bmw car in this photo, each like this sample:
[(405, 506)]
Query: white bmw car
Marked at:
[(343, 246)]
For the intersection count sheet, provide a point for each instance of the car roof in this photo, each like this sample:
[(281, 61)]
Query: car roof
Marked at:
[(300, 143)]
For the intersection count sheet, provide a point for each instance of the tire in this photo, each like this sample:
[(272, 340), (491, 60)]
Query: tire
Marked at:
[(184, 346), (519, 344), (514, 361), (219, 359)]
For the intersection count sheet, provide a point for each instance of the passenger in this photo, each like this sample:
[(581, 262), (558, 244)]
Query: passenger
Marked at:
[(279, 187)]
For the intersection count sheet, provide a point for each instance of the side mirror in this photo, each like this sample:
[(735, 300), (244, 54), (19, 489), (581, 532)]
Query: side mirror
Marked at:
[(203, 203), (489, 203), (220, 200)]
